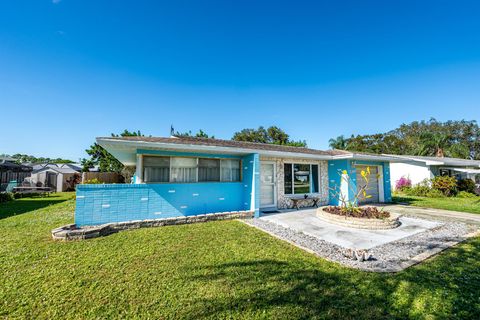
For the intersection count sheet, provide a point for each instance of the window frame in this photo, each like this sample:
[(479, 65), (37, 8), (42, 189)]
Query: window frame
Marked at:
[(240, 163), (293, 177)]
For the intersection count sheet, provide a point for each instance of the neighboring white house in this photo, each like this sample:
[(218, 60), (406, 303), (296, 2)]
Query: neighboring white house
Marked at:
[(418, 168), (55, 176)]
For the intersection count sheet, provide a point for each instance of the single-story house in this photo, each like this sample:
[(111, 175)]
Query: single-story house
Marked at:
[(11, 171), (56, 176), (190, 176), (419, 168)]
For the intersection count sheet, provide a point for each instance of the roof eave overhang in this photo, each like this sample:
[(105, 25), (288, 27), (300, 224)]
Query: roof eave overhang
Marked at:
[(366, 157), (132, 146)]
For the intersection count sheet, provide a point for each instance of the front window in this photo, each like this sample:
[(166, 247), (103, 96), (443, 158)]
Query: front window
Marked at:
[(183, 169), (208, 169), (230, 170), (156, 169), (300, 178), (187, 169)]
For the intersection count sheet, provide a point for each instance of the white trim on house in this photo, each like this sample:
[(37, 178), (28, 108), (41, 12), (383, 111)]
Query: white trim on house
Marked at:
[(381, 187), (139, 169)]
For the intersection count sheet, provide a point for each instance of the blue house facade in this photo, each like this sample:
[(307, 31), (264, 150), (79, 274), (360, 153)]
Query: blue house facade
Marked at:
[(191, 176)]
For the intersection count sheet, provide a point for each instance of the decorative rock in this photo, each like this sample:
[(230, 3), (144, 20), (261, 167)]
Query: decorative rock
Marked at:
[(390, 257)]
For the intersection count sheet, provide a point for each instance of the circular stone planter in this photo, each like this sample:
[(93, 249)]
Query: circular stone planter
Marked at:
[(360, 223)]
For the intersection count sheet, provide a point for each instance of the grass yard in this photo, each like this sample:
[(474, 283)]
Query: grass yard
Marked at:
[(471, 205), (212, 270)]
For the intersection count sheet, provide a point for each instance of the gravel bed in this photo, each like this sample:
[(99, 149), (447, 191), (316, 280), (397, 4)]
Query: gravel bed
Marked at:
[(390, 257)]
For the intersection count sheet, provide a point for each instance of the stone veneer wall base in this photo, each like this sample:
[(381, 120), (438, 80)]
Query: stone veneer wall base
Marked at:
[(72, 232)]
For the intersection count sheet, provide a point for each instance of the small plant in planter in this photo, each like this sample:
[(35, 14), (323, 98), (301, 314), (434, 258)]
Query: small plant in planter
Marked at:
[(351, 208)]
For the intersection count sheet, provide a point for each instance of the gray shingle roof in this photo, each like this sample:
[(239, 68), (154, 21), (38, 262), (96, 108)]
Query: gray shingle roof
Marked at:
[(231, 144)]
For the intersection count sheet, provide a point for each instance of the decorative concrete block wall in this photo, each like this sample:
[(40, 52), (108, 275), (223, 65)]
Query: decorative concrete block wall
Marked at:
[(106, 203)]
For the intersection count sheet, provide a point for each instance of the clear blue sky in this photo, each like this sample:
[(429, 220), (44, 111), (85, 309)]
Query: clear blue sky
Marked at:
[(72, 70)]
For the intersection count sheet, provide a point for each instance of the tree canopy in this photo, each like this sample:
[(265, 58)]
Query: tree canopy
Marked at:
[(200, 134), (458, 139), (271, 135), (25, 158)]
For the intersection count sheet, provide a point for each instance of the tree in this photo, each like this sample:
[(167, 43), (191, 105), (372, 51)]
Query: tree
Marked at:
[(101, 157), (25, 158), (271, 135), (339, 143), (459, 139), (200, 134)]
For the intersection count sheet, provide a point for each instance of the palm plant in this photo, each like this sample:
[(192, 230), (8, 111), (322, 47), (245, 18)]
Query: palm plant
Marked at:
[(433, 144), (340, 143)]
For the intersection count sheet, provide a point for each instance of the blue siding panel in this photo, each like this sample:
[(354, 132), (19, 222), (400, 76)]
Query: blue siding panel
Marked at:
[(337, 166)]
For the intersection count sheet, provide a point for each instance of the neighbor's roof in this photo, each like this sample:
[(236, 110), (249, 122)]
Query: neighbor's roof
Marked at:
[(123, 148), (438, 161), (7, 166), (56, 169)]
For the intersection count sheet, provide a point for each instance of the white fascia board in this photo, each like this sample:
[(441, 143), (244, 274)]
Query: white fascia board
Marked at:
[(413, 158), (356, 156), (433, 163), (133, 145)]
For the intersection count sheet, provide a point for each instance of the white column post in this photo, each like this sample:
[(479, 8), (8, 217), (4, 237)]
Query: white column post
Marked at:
[(139, 169)]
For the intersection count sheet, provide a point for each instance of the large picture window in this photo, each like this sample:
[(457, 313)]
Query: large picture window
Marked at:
[(183, 169), (187, 169), (230, 170), (300, 178), (208, 169), (156, 169)]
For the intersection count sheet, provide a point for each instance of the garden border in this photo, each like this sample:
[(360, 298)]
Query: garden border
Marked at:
[(72, 232)]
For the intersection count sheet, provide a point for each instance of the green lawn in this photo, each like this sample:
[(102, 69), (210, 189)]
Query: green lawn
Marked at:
[(216, 270), (471, 205)]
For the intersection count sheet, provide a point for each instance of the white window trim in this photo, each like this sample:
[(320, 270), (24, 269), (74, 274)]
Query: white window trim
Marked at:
[(293, 185)]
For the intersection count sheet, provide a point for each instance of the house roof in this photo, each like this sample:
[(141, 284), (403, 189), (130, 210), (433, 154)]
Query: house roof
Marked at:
[(11, 166), (56, 169), (228, 144), (124, 148), (438, 161)]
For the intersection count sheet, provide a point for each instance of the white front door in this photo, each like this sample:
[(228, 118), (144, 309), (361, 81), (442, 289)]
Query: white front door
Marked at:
[(268, 185)]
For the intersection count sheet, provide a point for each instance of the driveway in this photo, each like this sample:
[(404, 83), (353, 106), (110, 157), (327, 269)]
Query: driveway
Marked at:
[(436, 214)]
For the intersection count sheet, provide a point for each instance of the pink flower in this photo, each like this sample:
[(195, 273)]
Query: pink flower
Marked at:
[(403, 183)]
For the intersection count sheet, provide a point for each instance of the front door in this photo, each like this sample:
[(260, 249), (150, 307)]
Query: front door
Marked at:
[(372, 189), (267, 185)]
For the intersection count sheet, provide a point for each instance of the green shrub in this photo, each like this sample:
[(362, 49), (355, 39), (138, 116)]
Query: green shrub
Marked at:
[(446, 185), (18, 195), (6, 196), (465, 194), (466, 185), (435, 193), (420, 190), (92, 181)]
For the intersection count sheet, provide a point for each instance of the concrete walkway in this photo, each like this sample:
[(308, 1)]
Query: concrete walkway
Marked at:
[(306, 221), (435, 214)]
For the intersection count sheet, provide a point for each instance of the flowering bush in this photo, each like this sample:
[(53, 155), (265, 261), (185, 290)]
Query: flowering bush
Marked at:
[(447, 185), (403, 183)]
